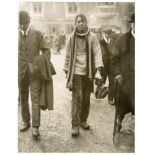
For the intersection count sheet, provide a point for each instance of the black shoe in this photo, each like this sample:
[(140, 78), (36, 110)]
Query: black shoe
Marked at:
[(75, 131), (85, 126), (24, 127), (35, 133)]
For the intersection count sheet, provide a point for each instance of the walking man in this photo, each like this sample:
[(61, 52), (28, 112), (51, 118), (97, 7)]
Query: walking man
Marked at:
[(107, 45), (123, 69), (83, 59), (30, 43)]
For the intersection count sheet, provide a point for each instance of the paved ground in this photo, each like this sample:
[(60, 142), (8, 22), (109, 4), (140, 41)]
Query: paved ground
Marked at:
[(56, 126)]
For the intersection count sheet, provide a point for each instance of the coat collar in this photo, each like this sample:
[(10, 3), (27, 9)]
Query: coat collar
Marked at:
[(26, 32)]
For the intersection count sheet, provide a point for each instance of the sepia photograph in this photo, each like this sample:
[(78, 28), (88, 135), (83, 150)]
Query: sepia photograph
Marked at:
[(76, 77)]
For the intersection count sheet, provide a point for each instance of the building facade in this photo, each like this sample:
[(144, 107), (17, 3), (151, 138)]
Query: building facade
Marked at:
[(52, 17)]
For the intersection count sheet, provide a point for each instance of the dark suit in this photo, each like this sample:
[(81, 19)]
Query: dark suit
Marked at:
[(29, 47), (106, 53), (123, 62)]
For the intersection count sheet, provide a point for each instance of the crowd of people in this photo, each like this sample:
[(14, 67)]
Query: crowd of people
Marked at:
[(56, 41), (87, 59)]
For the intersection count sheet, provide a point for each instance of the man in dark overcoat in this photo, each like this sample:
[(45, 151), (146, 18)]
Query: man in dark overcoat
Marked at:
[(107, 45), (123, 69), (31, 42)]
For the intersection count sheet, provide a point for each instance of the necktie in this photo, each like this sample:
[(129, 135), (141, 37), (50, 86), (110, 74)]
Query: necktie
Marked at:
[(107, 41), (24, 34)]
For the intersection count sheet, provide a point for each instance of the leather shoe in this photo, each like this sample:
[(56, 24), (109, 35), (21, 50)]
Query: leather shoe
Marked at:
[(85, 126), (35, 133), (75, 131), (24, 127)]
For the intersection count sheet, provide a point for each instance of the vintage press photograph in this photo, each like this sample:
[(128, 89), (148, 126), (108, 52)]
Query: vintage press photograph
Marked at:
[(76, 77)]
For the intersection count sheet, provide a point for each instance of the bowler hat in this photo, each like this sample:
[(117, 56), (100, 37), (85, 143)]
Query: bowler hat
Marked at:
[(131, 18), (107, 31), (24, 17)]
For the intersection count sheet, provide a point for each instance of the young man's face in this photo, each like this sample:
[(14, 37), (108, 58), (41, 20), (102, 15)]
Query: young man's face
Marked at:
[(81, 24)]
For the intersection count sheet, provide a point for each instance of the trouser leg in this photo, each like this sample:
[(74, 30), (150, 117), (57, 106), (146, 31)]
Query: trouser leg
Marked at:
[(35, 86), (76, 100), (86, 99), (24, 95), (104, 75), (132, 99), (111, 88)]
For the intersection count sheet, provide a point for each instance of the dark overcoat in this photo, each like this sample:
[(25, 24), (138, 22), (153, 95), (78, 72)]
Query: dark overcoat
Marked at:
[(123, 62), (42, 68), (106, 50)]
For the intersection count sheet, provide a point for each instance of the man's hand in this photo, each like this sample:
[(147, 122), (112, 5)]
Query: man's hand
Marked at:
[(98, 75), (118, 78)]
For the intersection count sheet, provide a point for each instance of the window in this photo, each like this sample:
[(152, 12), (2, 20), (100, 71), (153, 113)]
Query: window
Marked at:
[(100, 3), (105, 3), (37, 8), (72, 7)]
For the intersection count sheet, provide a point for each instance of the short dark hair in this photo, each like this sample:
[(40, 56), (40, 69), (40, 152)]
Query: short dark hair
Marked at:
[(83, 17)]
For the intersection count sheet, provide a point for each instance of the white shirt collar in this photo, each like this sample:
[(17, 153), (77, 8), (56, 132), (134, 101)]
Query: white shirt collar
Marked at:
[(26, 32), (107, 41), (132, 33)]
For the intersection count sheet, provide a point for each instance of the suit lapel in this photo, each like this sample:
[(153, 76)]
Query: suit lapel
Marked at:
[(105, 46), (22, 40), (28, 37)]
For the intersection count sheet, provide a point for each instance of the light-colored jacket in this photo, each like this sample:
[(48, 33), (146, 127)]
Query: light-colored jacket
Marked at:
[(94, 57)]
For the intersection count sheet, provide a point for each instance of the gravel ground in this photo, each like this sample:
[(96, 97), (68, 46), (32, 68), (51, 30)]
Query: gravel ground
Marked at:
[(56, 125)]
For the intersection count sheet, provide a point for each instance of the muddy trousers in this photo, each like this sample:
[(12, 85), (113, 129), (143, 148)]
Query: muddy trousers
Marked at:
[(80, 100), (34, 84)]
